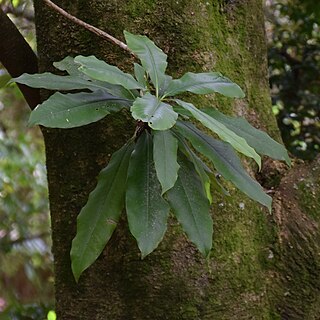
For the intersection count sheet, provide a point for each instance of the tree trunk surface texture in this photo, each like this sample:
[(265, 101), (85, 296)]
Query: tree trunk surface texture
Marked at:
[(262, 266)]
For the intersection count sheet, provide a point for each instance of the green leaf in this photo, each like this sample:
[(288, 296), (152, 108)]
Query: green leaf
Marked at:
[(140, 74), (153, 59), (75, 110), (165, 147), (200, 167), (222, 131), (4, 79), (204, 83), (100, 70), (257, 139), (99, 217), (159, 115), (191, 207), (51, 315), (68, 64), (147, 211), (51, 81), (225, 161)]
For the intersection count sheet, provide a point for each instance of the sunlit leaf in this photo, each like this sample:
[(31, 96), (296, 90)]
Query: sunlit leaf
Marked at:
[(222, 131), (75, 109), (100, 70), (153, 59), (99, 217), (147, 211), (225, 161), (165, 147), (204, 83), (159, 115), (191, 206), (257, 139)]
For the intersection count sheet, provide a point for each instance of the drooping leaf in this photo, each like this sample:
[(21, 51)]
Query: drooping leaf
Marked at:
[(257, 139), (140, 74), (147, 211), (222, 131), (52, 81), (200, 167), (153, 59), (191, 206), (75, 109), (204, 83), (165, 147), (99, 217), (100, 70), (225, 161), (159, 115)]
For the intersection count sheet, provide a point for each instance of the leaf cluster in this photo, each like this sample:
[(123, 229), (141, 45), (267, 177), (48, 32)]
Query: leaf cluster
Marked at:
[(158, 169)]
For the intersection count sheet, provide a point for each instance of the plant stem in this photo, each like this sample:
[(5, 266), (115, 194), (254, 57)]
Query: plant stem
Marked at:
[(89, 27)]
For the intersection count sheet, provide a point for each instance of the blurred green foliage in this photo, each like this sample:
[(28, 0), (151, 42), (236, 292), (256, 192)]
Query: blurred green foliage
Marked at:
[(26, 277), (293, 30)]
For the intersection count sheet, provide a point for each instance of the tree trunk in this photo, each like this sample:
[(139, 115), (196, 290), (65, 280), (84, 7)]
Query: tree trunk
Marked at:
[(262, 266)]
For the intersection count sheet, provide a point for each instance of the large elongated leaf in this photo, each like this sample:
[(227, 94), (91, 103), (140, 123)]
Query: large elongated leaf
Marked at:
[(100, 70), (222, 131), (225, 161), (147, 211), (54, 82), (257, 139), (68, 64), (153, 59), (74, 110), (191, 207), (159, 115), (99, 217), (203, 83), (165, 148)]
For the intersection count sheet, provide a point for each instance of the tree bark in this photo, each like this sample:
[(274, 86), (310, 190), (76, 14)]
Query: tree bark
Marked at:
[(262, 266)]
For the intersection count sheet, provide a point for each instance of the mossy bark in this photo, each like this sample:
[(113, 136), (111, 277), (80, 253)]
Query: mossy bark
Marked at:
[(244, 276)]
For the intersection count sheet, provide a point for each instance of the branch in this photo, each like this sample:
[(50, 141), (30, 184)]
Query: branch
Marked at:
[(89, 27), (17, 57)]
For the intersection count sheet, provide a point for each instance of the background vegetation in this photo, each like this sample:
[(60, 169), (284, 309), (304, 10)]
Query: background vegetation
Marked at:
[(26, 282)]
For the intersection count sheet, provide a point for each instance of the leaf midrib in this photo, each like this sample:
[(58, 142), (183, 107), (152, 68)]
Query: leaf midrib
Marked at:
[(100, 212)]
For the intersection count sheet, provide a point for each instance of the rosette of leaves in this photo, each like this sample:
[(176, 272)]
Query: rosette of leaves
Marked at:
[(159, 168)]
